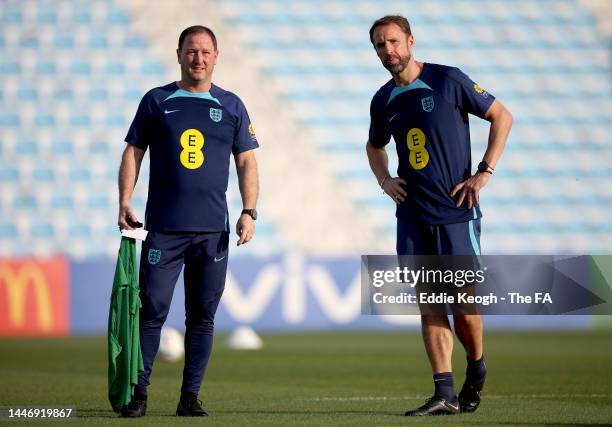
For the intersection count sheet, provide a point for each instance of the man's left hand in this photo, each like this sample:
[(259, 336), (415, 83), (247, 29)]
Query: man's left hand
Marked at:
[(245, 229), (469, 189)]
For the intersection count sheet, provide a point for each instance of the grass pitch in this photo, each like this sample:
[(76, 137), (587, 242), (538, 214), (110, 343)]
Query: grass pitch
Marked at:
[(328, 379)]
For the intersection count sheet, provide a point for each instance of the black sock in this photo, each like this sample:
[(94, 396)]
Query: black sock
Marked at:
[(476, 370), (444, 386)]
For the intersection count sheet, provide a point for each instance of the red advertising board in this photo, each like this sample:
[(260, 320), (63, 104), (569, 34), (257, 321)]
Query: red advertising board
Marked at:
[(34, 297)]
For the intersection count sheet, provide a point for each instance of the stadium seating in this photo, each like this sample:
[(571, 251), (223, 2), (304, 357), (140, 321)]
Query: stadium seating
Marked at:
[(72, 73), (544, 59)]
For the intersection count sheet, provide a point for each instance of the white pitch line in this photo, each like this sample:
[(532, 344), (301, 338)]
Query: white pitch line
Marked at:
[(485, 396)]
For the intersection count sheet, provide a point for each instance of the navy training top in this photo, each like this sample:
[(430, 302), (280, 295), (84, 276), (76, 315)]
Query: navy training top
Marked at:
[(190, 136), (429, 122)]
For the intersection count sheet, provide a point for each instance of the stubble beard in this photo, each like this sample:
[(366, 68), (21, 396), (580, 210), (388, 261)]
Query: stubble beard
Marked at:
[(396, 69)]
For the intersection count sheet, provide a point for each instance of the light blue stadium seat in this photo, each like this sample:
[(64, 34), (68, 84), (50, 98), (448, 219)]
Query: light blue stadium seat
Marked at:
[(98, 93), (9, 120), (63, 94), (135, 42), (80, 16), (62, 201), (12, 15), (152, 68), (115, 67), (29, 42), (116, 120), (79, 173), (46, 68), (26, 202), (43, 119), (98, 41), (27, 94), (79, 119), (9, 67), (63, 41), (42, 230), (97, 201), (99, 147), (80, 68), (43, 174), (8, 230), (9, 173), (46, 17), (26, 148), (117, 17), (62, 147)]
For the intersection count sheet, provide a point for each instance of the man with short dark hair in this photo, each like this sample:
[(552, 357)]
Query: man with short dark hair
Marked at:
[(191, 128), (425, 108)]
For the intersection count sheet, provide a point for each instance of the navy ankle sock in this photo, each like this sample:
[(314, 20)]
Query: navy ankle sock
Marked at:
[(444, 385), (476, 370)]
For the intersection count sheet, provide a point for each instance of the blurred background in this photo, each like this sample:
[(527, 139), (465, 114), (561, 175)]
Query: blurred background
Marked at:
[(73, 71)]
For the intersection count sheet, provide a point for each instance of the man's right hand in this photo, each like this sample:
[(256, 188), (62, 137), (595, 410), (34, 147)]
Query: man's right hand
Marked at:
[(393, 187), (126, 216)]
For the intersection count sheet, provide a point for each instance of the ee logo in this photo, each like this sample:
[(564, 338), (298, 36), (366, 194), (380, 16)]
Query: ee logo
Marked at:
[(192, 142), (419, 157)]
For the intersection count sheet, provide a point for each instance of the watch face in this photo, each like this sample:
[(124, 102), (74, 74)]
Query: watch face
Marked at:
[(251, 212), (482, 167)]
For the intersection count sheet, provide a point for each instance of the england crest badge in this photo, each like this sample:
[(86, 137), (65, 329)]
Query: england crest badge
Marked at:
[(427, 103), (154, 256), (216, 114)]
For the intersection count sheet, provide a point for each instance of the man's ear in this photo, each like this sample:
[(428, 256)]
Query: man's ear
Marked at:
[(178, 56)]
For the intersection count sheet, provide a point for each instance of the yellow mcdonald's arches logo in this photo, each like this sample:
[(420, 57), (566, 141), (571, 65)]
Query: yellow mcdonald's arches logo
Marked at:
[(16, 283)]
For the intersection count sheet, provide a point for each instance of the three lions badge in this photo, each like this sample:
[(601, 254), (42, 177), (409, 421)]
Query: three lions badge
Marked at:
[(427, 103), (216, 114)]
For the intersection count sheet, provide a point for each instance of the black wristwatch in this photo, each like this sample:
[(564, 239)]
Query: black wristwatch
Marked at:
[(484, 167), (250, 212)]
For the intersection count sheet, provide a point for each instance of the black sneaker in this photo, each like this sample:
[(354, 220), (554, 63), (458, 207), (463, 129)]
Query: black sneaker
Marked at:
[(190, 406), (469, 396), (136, 408), (435, 406)]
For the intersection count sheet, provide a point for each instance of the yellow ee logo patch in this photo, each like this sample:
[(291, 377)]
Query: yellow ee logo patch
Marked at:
[(419, 157), (192, 142)]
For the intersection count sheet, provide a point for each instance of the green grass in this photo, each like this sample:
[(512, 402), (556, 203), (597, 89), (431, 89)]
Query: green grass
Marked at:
[(329, 379)]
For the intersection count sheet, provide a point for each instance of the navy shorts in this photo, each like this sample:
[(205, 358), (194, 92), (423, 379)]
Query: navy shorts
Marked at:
[(445, 239), (462, 238)]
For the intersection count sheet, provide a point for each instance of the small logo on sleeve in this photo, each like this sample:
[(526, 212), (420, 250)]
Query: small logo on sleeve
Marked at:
[(427, 103), (480, 91), (154, 256), (170, 111), (252, 132), (216, 114)]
